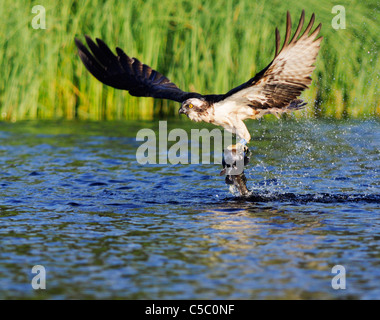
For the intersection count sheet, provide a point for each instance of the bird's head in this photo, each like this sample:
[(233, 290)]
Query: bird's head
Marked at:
[(193, 107)]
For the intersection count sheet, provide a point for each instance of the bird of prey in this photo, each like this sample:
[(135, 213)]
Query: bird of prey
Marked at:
[(274, 90)]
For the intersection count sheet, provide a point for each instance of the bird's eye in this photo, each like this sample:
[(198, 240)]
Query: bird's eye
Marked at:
[(191, 106)]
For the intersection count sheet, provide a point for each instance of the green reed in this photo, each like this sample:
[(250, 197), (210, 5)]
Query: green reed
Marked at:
[(201, 45)]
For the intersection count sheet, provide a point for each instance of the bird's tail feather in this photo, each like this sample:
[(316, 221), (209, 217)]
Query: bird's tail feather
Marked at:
[(296, 105), (293, 106)]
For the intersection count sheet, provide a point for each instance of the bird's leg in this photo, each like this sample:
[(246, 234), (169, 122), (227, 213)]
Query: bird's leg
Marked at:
[(235, 158)]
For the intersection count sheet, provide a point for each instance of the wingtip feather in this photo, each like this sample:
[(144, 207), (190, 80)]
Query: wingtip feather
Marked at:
[(299, 28), (278, 41), (288, 28)]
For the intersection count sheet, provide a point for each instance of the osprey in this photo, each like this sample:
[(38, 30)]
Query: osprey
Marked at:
[(274, 90)]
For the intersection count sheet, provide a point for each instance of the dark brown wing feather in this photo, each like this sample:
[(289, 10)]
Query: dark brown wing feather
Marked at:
[(283, 80), (123, 72)]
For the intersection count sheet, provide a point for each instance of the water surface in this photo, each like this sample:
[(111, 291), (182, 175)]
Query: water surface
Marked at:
[(73, 199)]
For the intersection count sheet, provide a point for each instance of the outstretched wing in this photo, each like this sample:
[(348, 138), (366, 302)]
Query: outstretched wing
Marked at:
[(283, 80), (123, 72)]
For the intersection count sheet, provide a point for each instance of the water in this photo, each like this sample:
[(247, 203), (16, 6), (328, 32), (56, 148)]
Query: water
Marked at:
[(73, 199)]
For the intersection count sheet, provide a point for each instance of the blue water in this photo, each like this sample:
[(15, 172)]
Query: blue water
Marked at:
[(73, 199)]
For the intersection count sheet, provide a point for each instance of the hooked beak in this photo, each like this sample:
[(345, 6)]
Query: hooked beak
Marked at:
[(182, 110)]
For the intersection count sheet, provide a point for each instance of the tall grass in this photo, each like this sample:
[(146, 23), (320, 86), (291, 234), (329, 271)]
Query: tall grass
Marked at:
[(201, 45)]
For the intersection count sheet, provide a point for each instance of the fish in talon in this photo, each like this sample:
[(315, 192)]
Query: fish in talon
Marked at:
[(235, 158)]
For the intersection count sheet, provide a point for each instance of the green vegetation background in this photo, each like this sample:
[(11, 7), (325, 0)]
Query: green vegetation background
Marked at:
[(201, 45)]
